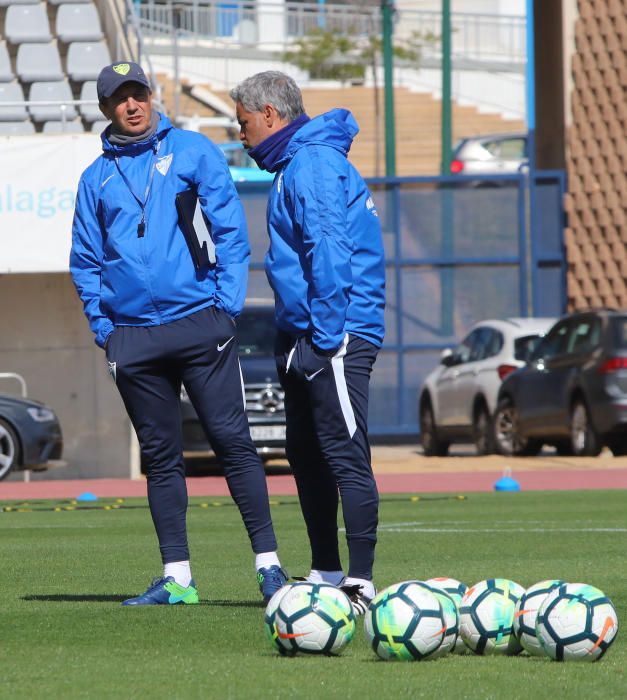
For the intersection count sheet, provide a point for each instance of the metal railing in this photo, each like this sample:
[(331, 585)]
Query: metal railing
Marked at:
[(477, 38), (18, 378)]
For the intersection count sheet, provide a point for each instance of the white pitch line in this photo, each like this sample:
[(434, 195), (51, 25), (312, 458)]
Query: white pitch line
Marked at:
[(503, 530)]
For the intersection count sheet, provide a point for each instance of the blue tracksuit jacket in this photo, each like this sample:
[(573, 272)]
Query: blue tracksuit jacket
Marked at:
[(326, 260), (125, 279)]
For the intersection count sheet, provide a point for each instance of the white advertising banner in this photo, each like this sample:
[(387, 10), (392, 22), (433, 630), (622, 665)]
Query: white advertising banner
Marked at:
[(38, 181)]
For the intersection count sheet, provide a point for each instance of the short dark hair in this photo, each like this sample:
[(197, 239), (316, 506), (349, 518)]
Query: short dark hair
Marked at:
[(270, 87)]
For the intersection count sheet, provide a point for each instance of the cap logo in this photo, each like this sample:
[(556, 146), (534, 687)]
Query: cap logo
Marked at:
[(122, 68)]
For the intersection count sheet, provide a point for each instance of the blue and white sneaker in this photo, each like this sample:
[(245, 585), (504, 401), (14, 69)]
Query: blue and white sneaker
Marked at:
[(166, 591), (270, 579)]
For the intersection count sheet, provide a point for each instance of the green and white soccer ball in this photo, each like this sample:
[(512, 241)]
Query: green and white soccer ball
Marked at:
[(405, 621), (455, 589), (487, 616), (451, 620), (314, 618), (527, 613), (269, 619), (576, 622)]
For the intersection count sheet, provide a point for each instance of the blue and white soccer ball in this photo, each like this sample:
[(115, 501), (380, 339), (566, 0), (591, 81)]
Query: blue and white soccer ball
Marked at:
[(314, 618), (455, 589), (576, 622), (269, 619), (487, 616), (405, 621), (527, 613)]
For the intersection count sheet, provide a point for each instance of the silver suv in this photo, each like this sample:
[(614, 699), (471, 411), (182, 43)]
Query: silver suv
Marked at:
[(457, 399)]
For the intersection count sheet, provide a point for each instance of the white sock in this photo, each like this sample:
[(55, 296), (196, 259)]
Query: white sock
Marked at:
[(367, 587), (266, 559), (335, 578), (180, 571)]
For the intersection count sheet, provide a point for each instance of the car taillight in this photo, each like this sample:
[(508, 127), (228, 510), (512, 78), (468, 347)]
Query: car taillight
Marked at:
[(613, 364), (504, 370), (456, 167)]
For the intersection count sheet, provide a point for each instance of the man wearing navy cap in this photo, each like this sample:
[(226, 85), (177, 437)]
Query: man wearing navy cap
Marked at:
[(163, 322)]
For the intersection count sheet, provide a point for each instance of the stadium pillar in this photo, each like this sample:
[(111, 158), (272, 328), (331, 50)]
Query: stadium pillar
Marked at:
[(447, 121), (387, 9)]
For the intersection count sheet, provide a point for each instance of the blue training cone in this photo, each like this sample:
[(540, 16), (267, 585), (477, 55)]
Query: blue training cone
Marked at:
[(507, 482), (87, 496)]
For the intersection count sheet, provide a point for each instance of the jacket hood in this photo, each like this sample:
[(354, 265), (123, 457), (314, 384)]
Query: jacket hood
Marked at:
[(114, 149), (336, 128)]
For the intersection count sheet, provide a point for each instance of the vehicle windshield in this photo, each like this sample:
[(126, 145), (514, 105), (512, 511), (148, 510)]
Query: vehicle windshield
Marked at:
[(256, 332), (524, 347)]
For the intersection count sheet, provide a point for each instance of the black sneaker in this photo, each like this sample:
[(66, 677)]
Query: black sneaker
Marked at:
[(359, 600)]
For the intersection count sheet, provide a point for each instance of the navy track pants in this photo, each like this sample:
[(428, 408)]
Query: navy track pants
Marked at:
[(149, 363), (328, 450)]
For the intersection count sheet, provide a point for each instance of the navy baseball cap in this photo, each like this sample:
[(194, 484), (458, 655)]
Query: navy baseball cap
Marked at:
[(111, 77)]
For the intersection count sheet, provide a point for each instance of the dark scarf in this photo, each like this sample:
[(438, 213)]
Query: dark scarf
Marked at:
[(115, 137), (269, 152)]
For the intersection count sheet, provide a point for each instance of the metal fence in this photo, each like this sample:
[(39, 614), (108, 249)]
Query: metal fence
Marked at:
[(458, 250), (478, 37)]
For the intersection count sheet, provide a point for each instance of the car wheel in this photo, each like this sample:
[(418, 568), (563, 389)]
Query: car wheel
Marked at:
[(483, 431), (432, 446), (618, 447), (507, 439), (584, 439), (9, 448)]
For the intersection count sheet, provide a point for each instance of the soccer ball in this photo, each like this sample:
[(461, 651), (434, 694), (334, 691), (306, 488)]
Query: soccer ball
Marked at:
[(269, 619), (451, 620), (527, 612), (576, 622), (405, 621), (455, 589), (487, 616), (314, 618)]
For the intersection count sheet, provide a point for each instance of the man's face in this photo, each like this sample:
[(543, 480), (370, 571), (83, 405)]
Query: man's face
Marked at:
[(254, 127), (129, 109)]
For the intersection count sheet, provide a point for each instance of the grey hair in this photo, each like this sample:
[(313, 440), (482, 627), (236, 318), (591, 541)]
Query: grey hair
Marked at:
[(270, 87)]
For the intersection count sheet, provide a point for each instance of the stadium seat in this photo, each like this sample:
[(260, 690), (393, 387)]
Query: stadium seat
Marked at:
[(63, 2), (27, 23), (90, 113), (56, 127), (58, 91), (12, 92), (17, 128), (99, 126), (38, 62), (7, 3), (85, 60), (6, 72), (78, 23)]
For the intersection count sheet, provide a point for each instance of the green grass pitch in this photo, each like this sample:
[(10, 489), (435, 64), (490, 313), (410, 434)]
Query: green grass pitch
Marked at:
[(63, 633)]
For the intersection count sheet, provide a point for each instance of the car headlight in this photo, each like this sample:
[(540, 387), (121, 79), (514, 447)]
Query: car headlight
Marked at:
[(41, 414)]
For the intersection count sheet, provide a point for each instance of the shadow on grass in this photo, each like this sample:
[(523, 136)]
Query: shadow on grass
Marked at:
[(90, 598)]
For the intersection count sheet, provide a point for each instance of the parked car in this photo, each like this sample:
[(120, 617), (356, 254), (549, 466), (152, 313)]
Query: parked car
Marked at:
[(243, 168), (458, 398), (492, 153), (573, 391), (264, 395), (30, 435)]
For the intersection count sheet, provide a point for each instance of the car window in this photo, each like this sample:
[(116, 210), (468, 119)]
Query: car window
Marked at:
[(584, 336), (464, 351), (554, 343), (512, 149), (524, 347), (619, 331), (256, 332), (486, 343)]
